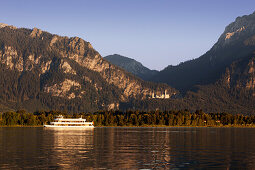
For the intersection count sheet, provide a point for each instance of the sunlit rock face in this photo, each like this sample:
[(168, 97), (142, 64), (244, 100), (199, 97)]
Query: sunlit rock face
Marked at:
[(10, 58), (238, 31), (230, 34), (241, 74), (36, 32), (67, 68), (2, 25), (54, 72), (63, 88)]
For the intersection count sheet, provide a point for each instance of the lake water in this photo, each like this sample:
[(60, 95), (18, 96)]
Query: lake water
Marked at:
[(127, 148)]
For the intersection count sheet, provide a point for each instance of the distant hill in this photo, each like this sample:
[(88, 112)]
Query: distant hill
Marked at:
[(131, 66)]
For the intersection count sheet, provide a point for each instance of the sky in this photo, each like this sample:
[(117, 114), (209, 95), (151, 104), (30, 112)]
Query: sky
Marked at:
[(156, 33)]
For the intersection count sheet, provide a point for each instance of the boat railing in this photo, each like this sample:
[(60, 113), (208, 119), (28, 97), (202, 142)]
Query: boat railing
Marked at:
[(60, 117)]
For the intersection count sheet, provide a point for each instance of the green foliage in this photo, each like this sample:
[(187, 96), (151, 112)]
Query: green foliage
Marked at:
[(132, 118)]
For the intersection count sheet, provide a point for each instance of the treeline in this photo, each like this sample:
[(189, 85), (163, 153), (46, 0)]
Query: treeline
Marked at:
[(132, 118)]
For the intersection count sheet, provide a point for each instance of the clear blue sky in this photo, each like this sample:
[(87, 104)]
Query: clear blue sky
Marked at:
[(155, 32)]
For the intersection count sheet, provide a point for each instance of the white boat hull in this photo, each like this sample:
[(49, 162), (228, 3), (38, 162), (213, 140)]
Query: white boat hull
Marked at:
[(53, 126), (70, 123)]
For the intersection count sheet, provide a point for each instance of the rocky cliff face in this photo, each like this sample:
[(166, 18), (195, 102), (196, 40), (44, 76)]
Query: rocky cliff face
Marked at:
[(241, 74), (239, 30), (48, 71), (132, 66)]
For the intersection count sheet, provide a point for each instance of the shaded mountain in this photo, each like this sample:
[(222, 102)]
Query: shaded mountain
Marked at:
[(221, 80), (237, 41), (233, 92), (42, 71), (131, 66)]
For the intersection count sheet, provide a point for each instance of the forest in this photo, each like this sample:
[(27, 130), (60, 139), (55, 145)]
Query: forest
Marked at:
[(131, 118)]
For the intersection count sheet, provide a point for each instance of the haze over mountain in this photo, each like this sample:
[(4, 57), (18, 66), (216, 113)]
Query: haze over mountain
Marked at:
[(131, 66)]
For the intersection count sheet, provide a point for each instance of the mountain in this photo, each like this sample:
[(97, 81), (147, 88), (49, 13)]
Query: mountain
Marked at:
[(43, 71), (221, 80), (233, 92), (131, 66), (237, 41)]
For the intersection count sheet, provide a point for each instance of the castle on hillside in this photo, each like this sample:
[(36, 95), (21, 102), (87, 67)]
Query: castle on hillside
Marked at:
[(162, 96)]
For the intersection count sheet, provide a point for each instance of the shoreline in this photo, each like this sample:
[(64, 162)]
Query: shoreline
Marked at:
[(161, 126), (150, 126)]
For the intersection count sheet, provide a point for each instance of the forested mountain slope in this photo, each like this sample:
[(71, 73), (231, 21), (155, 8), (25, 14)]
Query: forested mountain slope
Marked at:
[(41, 71)]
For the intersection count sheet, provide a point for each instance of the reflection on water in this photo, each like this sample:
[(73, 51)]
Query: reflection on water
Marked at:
[(70, 145), (127, 148)]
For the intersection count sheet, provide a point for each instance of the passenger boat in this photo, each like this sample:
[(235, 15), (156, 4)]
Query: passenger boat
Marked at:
[(61, 122)]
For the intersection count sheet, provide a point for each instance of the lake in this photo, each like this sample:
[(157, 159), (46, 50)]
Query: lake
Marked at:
[(127, 148)]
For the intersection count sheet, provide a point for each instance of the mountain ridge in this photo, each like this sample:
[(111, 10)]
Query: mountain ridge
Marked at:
[(39, 69), (131, 65), (221, 80), (209, 67)]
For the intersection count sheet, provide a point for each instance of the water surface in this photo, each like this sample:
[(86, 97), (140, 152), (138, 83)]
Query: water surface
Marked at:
[(127, 148)]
